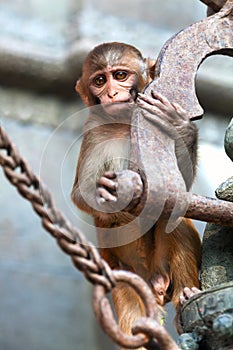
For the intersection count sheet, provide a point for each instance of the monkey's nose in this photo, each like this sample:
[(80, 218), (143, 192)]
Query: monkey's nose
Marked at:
[(112, 94)]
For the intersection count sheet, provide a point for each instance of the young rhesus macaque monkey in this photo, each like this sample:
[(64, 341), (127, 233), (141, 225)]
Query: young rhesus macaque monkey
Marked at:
[(112, 78)]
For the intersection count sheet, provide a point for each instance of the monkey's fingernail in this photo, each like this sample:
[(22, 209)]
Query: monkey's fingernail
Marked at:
[(156, 94), (182, 300), (110, 174), (101, 200)]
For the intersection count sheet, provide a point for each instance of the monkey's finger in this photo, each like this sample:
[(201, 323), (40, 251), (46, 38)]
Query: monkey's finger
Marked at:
[(180, 110), (146, 101), (100, 200), (161, 122), (152, 111), (171, 106), (161, 98), (188, 293), (104, 181), (195, 290), (110, 174), (182, 299), (103, 193)]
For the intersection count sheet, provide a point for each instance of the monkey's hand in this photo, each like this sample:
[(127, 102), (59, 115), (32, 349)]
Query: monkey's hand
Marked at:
[(188, 293), (159, 106), (164, 113), (171, 118), (120, 189)]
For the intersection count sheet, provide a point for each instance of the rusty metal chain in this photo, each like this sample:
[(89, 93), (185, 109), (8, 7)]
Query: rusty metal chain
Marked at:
[(85, 256)]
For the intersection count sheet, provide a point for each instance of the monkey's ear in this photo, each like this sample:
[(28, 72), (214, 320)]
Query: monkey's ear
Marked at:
[(80, 90), (151, 66), (77, 86)]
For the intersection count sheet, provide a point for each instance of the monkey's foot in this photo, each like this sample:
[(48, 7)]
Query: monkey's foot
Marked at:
[(188, 293)]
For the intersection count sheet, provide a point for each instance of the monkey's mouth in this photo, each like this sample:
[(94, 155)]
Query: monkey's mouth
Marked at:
[(119, 104), (113, 102), (115, 108)]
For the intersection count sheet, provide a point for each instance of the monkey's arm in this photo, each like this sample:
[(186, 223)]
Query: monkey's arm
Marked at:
[(84, 187), (85, 195), (100, 193)]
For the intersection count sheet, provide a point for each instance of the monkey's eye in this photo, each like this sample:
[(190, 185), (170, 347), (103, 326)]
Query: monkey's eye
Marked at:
[(120, 75), (100, 80)]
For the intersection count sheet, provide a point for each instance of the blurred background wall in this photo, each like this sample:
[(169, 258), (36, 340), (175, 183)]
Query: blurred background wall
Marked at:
[(45, 303)]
